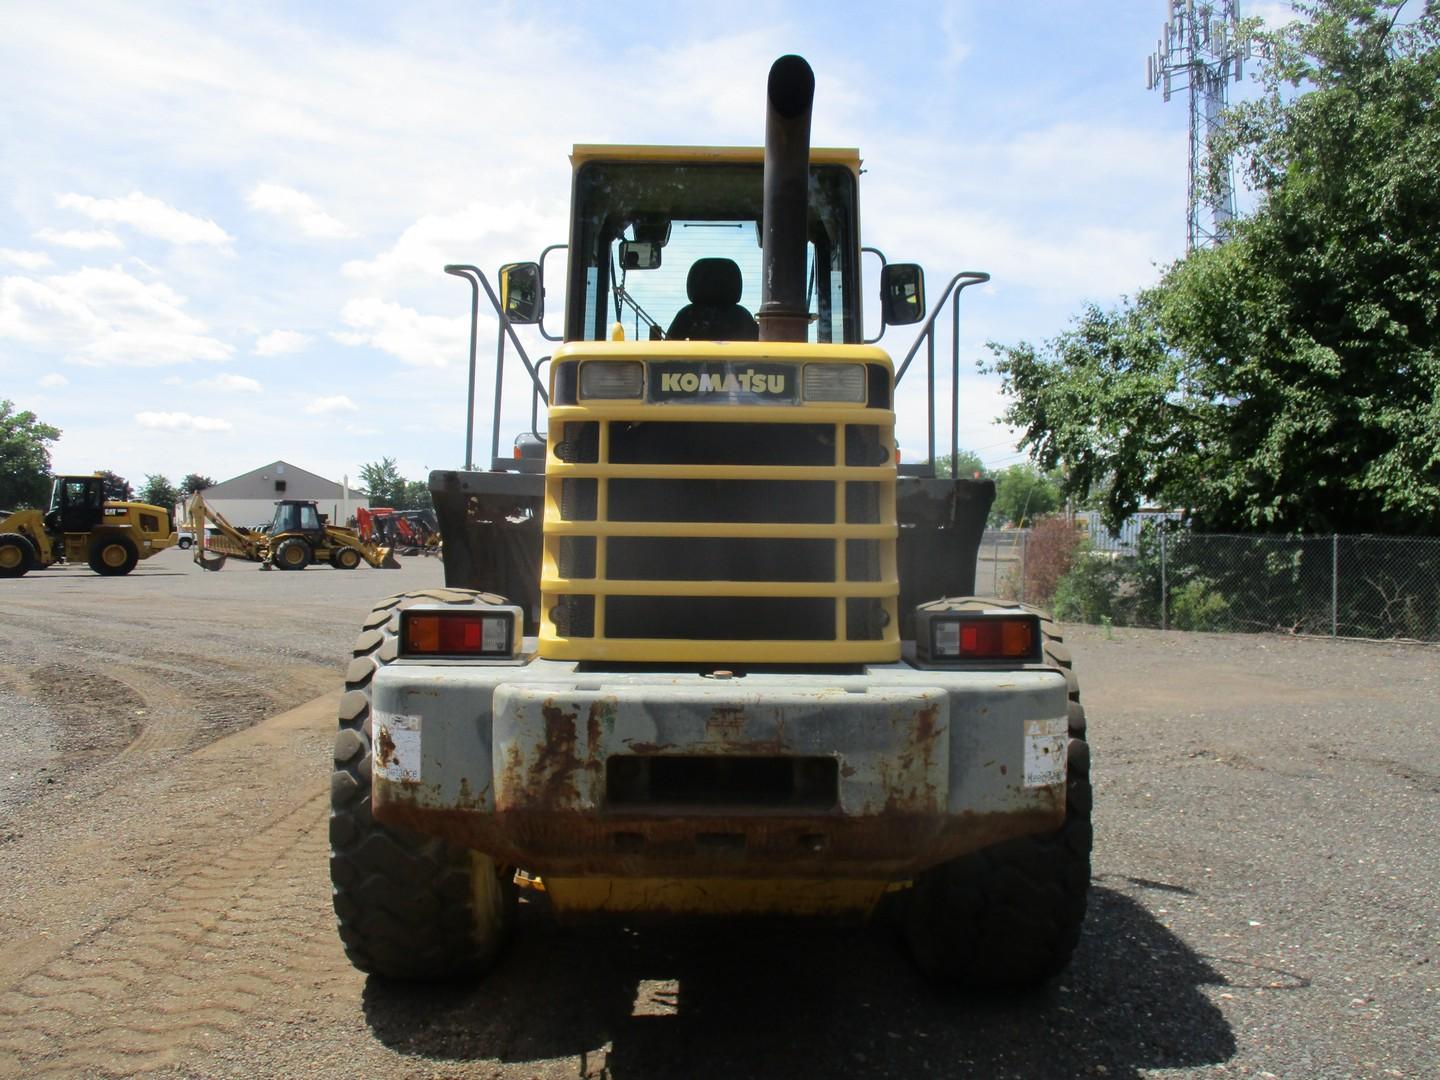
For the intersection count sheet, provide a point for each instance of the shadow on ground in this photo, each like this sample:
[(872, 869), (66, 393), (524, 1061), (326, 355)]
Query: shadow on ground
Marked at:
[(783, 1003)]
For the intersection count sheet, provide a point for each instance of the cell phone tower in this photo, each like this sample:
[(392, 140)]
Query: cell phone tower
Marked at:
[(1202, 50)]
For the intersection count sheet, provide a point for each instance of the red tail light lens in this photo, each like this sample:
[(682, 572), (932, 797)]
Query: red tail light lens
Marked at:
[(986, 637), (457, 633)]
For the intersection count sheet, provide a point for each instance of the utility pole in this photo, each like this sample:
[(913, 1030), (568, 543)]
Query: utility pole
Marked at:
[(1201, 50)]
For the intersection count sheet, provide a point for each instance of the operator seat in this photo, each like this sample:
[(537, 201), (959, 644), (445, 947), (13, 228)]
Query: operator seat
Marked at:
[(714, 312)]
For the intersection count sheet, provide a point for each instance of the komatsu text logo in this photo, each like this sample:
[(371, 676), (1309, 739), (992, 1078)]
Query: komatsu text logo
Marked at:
[(753, 383), (728, 382)]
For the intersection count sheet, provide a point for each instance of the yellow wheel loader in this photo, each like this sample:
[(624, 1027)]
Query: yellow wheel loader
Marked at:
[(707, 647), (298, 536), (82, 526)]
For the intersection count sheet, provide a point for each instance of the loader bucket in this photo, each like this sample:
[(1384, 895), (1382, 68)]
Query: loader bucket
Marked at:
[(388, 560)]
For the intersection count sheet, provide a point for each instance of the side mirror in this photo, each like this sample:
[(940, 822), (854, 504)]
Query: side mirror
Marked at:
[(522, 292), (902, 294), (639, 255)]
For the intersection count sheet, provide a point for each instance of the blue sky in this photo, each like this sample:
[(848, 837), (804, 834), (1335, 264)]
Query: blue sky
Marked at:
[(222, 226)]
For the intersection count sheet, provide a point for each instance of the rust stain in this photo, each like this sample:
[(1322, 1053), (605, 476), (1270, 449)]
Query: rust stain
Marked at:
[(600, 716), (551, 780), (726, 722), (384, 748)]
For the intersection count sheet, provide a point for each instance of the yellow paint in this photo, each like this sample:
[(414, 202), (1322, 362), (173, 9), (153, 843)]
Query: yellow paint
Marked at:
[(819, 155), (826, 897)]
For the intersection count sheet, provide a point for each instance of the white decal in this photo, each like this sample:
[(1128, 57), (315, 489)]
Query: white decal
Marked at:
[(1045, 742)]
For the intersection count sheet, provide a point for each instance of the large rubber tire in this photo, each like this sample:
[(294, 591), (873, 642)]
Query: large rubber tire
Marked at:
[(409, 906), (345, 558), (113, 556), (292, 554), (1009, 916), (17, 555)]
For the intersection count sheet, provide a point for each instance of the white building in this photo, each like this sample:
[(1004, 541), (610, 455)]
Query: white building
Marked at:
[(249, 499)]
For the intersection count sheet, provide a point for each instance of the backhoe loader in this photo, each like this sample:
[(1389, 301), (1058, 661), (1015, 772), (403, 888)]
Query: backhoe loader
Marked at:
[(298, 536), (80, 526)]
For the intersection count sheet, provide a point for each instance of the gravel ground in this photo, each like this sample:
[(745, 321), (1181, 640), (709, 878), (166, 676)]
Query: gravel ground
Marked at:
[(1264, 897)]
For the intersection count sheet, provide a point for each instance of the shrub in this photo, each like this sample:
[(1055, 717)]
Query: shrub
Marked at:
[(1050, 551)]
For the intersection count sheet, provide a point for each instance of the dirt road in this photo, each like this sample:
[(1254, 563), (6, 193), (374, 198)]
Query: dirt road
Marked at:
[(1264, 901)]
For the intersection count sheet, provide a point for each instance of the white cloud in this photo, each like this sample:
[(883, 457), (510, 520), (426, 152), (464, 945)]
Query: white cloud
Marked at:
[(80, 238), (180, 421), (239, 383), (300, 209), (54, 381), (955, 35), (148, 215), (421, 340), (436, 239), (325, 406), (26, 260), (104, 317), (281, 341)]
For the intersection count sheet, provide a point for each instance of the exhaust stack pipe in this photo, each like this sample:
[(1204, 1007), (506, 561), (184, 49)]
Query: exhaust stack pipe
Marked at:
[(783, 314)]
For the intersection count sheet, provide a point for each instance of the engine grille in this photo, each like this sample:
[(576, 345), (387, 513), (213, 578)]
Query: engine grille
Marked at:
[(743, 534)]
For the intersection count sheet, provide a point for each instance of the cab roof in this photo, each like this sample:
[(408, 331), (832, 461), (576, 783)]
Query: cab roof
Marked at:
[(848, 157)]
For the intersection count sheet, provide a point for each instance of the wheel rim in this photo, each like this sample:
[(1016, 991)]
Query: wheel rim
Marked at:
[(294, 556), (113, 555), (10, 557), (349, 560)]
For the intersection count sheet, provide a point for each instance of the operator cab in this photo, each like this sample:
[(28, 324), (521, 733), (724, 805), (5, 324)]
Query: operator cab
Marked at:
[(292, 516), (672, 248), (77, 504)]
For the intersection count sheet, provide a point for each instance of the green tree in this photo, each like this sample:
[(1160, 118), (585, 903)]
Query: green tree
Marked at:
[(158, 491), (416, 496), (192, 483), (24, 457), (117, 487), (971, 467), (383, 482), (1022, 494), (1285, 381)]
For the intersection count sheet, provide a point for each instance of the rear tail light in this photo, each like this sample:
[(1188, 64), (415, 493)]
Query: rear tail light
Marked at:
[(487, 633), (991, 637)]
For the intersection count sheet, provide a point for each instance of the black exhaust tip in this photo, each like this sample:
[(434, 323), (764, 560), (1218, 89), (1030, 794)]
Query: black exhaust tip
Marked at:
[(790, 94), (792, 86)]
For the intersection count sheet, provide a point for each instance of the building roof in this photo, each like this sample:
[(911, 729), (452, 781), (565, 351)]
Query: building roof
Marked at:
[(240, 486)]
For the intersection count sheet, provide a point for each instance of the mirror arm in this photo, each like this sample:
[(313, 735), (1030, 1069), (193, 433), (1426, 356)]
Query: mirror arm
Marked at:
[(541, 324), (884, 262)]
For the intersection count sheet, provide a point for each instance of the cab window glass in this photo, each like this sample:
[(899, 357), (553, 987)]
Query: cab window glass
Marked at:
[(694, 212)]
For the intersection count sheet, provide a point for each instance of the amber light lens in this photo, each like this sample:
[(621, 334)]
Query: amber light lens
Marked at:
[(456, 634), (991, 638)]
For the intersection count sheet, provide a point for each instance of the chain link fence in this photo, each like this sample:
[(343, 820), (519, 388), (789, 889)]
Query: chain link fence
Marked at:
[(1158, 574)]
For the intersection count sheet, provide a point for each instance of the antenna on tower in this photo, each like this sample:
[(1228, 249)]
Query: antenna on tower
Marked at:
[(1201, 50)]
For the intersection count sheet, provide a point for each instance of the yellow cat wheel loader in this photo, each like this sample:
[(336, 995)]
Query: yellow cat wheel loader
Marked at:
[(82, 526), (298, 536), (707, 649)]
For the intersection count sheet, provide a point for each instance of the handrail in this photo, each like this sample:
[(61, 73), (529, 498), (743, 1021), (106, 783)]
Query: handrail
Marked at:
[(476, 277), (958, 284)]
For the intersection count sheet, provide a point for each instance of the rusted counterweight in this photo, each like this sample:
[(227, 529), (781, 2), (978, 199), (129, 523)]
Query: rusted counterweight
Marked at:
[(863, 778), (783, 314)]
